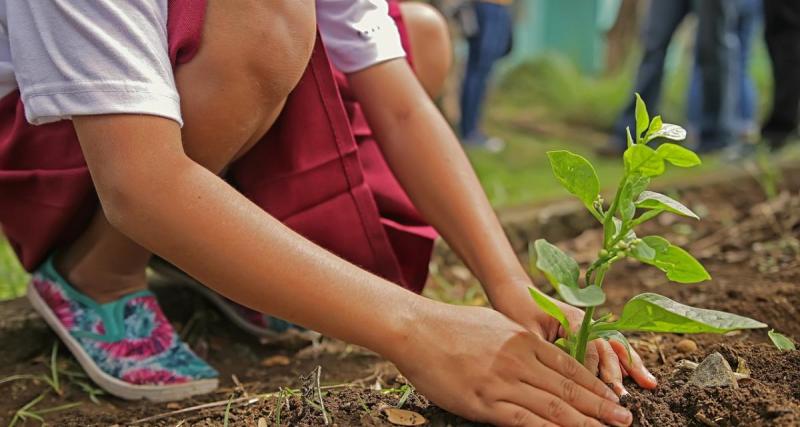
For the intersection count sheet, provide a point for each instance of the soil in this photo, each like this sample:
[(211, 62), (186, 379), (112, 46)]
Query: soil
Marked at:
[(749, 246)]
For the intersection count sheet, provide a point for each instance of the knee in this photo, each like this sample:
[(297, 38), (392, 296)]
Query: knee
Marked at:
[(430, 44), (253, 53), (264, 44)]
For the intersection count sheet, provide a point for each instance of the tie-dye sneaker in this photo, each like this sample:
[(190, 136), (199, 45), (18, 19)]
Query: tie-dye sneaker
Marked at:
[(128, 347), (251, 321)]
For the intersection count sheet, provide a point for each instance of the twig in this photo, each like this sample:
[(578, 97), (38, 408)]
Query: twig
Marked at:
[(219, 403), (319, 395), (239, 387)]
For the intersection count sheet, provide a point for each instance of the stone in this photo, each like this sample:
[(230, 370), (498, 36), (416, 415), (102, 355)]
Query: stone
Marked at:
[(686, 346), (714, 371)]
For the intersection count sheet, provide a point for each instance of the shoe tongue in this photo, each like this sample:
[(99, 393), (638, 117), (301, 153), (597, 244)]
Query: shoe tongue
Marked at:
[(111, 313)]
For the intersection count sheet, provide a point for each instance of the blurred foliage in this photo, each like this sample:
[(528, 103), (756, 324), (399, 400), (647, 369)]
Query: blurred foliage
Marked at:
[(12, 277), (552, 88)]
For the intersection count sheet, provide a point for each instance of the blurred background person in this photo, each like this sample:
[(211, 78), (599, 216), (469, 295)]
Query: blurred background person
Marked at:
[(489, 40), (782, 34), (716, 49), (745, 123)]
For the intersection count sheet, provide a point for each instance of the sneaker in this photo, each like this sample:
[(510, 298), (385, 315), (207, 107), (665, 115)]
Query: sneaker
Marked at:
[(127, 346), (251, 321)]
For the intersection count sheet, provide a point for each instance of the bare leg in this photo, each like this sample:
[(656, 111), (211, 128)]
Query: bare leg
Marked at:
[(231, 93), (430, 45)]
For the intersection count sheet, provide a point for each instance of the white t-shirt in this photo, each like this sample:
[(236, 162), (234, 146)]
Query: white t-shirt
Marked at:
[(78, 57)]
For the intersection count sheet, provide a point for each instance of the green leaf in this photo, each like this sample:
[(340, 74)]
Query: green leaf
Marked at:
[(655, 126), (589, 296), (678, 156), (643, 252), (668, 131), (616, 336), (557, 266), (781, 341), (563, 273), (565, 345), (642, 118), (634, 186), (656, 313), (679, 265), (576, 174), (549, 307), (628, 136), (653, 200), (644, 160)]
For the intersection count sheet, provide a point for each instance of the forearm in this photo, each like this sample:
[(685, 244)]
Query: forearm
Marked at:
[(427, 159), (194, 219)]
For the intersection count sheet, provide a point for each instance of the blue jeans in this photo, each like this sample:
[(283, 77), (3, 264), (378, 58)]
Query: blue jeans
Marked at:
[(715, 52), (491, 42), (750, 14)]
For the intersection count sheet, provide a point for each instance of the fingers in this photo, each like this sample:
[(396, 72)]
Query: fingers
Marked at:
[(509, 414), (610, 371), (635, 367), (574, 406), (555, 359), (592, 358)]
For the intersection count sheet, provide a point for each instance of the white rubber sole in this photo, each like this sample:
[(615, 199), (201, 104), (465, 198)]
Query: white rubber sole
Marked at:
[(114, 386)]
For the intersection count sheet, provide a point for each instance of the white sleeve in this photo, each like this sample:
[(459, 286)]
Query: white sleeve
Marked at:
[(77, 57), (358, 33)]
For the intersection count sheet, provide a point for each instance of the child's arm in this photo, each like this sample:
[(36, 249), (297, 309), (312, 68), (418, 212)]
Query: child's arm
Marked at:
[(472, 361), (427, 159)]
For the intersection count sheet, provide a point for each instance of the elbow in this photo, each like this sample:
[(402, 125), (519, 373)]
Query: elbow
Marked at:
[(131, 196), (121, 203)]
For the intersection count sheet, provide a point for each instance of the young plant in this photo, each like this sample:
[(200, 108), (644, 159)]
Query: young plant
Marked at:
[(645, 312)]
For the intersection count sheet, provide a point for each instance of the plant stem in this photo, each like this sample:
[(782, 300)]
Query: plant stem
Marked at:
[(583, 333), (608, 221)]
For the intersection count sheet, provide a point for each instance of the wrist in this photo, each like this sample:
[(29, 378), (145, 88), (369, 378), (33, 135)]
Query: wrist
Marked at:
[(400, 324), (506, 293)]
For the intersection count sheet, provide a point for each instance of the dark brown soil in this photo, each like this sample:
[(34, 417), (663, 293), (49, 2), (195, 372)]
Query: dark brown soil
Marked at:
[(749, 247)]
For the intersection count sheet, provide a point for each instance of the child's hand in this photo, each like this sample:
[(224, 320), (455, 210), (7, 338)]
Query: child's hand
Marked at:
[(609, 359), (479, 364)]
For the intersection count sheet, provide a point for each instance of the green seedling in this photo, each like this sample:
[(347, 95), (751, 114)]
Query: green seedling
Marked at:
[(781, 341), (226, 418), (646, 312)]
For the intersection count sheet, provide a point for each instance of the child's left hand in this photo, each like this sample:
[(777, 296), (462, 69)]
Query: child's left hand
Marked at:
[(609, 359)]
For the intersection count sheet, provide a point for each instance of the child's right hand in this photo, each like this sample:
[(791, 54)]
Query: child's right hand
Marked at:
[(477, 363)]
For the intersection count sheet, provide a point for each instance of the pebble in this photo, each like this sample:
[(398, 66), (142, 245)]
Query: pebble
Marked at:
[(686, 346), (714, 371)]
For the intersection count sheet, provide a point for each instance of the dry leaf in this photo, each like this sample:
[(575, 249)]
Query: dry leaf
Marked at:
[(277, 360), (402, 417), (262, 422)]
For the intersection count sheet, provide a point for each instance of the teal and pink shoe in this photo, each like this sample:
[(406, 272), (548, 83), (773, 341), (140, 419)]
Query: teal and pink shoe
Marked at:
[(128, 347), (251, 321)]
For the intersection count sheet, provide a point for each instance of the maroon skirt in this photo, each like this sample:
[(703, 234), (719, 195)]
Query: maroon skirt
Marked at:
[(318, 170)]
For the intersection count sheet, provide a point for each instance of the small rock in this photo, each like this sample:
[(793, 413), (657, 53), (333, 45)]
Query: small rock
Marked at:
[(277, 360), (686, 346), (686, 364), (714, 371)]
